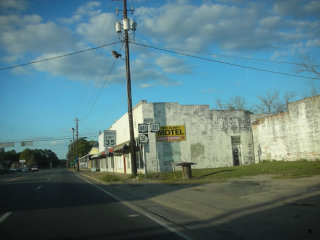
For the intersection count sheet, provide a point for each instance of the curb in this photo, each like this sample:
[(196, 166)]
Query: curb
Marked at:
[(156, 218)]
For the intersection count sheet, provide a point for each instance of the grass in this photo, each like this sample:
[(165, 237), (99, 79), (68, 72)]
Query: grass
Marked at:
[(278, 169)]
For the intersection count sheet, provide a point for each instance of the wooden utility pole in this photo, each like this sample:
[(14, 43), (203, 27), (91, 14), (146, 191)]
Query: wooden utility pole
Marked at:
[(132, 141), (77, 151)]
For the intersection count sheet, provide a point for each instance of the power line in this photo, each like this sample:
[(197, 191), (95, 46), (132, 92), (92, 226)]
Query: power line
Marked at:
[(222, 62), (102, 87), (90, 90), (45, 139), (59, 56)]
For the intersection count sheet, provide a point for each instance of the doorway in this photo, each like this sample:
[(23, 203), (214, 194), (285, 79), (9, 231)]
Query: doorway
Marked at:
[(236, 150)]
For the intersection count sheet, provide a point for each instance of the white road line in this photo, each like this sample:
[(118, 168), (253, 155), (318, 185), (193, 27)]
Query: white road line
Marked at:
[(4, 216), (137, 209)]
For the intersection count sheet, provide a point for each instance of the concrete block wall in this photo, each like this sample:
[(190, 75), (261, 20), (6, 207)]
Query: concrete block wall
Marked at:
[(290, 136)]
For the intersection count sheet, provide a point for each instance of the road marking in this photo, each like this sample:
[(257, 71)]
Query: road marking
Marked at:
[(133, 215), (4, 216), (39, 187), (15, 179), (166, 225)]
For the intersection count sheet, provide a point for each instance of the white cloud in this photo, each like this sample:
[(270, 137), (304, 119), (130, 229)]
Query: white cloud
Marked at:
[(81, 67), (41, 37), (88, 9), (171, 64), (297, 8), (243, 27), (19, 5), (98, 28), (313, 43)]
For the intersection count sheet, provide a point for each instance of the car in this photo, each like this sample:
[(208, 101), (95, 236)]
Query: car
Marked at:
[(34, 168), (24, 169)]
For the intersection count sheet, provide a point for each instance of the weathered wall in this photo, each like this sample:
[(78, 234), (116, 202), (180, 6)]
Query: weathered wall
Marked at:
[(289, 136), (208, 136)]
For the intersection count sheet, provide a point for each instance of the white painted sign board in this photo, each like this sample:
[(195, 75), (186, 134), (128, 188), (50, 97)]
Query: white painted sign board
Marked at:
[(143, 128), (143, 137), (154, 127), (110, 138)]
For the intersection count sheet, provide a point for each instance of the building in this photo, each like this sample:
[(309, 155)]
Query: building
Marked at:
[(213, 138), (289, 136)]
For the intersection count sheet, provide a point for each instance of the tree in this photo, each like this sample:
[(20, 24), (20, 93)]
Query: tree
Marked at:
[(238, 103), (2, 155), (27, 154), (309, 65), (268, 104), (79, 148), (235, 103), (219, 104)]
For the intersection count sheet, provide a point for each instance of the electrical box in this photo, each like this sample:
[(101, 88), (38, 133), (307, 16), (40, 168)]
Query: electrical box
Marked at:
[(126, 24), (133, 25), (118, 27)]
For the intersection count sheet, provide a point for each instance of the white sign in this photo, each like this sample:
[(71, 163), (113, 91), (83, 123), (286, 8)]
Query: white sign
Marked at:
[(110, 138), (154, 127), (143, 137), (143, 128)]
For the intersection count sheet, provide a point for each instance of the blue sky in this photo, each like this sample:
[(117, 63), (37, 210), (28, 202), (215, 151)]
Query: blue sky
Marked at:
[(43, 100)]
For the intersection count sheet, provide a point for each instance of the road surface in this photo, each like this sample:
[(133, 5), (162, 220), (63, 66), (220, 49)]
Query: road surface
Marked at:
[(60, 204)]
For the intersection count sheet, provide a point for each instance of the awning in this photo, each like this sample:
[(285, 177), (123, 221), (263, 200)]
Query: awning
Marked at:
[(121, 146), (124, 147), (99, 155)]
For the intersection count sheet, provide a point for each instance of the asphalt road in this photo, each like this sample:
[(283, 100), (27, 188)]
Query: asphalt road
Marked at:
[(59, 204)]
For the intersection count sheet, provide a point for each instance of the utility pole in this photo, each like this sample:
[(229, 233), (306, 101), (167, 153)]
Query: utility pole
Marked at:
[(77, 151), (73, 147), (126, 41)]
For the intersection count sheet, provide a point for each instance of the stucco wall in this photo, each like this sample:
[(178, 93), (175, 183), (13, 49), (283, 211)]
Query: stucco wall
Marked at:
[(208, 136), (293, 135)]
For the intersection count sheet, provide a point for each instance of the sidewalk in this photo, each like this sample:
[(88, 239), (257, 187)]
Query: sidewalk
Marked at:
[(257, 207)]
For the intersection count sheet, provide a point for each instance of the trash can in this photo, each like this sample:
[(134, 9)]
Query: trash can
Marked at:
[(186, 169)]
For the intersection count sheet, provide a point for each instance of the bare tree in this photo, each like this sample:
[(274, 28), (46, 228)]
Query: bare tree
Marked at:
[(288, 97), (269, 104), (314, 90), (235, 103), (309, 65), (238, 103), (219, 104)]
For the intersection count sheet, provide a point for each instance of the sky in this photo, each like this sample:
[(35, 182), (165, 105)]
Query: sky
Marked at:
[(185, 51)]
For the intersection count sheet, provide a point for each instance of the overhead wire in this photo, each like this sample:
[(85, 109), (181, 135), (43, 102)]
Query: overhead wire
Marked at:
[(43, 139), (58, 56), (87, 92), (222, 62), (102, 87)]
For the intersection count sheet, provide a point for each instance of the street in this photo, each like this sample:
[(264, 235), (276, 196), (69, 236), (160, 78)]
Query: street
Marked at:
[(59, 204)]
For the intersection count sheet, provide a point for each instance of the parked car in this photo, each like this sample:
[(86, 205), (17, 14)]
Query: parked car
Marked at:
[(34, 168), (24, 169)]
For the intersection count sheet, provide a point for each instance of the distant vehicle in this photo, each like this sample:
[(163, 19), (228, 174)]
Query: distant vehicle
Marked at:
[(34, 168), (13, 170), (24, 169)]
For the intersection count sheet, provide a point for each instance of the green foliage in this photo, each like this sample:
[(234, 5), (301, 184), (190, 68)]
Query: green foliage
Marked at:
[(110, 178), (279, 169), (79, 148), (43, 158)]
